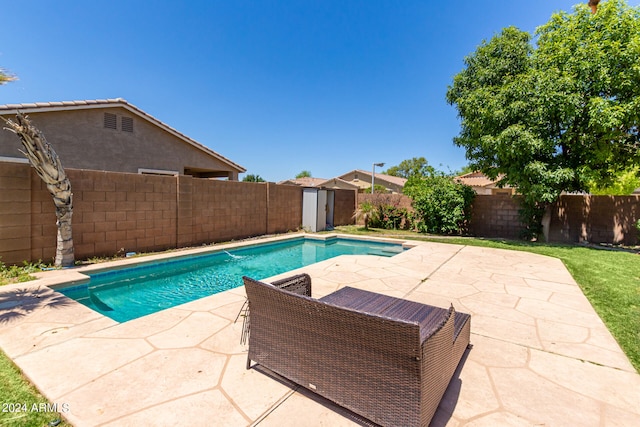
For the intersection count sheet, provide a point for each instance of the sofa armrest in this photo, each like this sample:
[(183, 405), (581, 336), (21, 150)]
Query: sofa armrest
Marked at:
[(299, 284)]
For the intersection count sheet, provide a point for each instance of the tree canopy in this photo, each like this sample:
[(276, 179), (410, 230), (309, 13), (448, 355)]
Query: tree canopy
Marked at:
[(304, 174), (416, 166), (441, 204), (560, 115), (252, 178), (625, 184)]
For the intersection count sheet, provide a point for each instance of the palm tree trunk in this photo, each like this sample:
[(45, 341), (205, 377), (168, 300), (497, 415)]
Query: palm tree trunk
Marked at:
[(48, 166)]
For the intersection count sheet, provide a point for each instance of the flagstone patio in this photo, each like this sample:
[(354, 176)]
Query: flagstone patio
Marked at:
[(540, 356)]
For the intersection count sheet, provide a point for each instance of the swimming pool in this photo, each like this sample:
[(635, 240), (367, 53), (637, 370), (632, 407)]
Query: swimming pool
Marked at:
[(129, 293)]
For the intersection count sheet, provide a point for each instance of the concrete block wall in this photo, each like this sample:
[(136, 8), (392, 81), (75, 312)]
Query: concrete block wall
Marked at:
[(495, 216), (599, 219), (42, 218), (15, 213), (285, 208), (398, 200), (112, 213), (184, 211), (574, 218), (122, 212), (226, 210)]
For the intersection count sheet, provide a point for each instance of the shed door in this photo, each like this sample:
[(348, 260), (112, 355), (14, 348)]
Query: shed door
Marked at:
[(322, 210), (331, 196), (310, 209)]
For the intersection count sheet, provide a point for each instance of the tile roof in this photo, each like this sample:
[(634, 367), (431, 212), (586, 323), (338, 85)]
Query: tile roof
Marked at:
[(37, 107), (318, 182), (335, 181), (304, 182), (476, 179), (381, 176)]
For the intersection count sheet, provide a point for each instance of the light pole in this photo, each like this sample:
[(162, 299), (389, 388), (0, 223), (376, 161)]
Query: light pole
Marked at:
[(373, 175)]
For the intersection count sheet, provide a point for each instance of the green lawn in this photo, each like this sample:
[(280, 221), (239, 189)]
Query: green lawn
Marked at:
[(609, 279), (21, 404)]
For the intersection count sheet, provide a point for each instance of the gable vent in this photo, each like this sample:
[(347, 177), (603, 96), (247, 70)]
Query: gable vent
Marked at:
[(110, 121), (127, 124)]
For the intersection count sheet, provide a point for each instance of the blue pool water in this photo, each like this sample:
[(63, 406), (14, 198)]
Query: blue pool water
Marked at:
[(134, 292)]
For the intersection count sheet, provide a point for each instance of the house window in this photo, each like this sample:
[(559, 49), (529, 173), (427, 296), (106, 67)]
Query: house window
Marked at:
[(110, 121), (127, 124)]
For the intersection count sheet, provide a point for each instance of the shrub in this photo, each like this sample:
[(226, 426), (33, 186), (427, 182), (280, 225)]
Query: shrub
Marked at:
[(390, 217), (365, 212), (441, 205), (14, 273), (388, 212)]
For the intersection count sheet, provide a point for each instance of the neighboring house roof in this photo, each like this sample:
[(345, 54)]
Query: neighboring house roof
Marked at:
[(338, 183), (39, 107), (320, 182), (476, 179), (396, 180), (304, 182)]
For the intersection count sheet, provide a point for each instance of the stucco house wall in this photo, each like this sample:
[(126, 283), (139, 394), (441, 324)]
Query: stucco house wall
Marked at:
[(116, 136)]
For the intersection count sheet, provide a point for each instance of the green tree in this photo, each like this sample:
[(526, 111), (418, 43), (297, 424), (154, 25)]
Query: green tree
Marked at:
[(304, 174), (416, 166), (558, 116), (252, 178), (625, 184), (441, 205)]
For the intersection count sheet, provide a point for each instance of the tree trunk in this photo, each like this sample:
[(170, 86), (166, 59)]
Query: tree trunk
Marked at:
[(65, 256), (48, 166)]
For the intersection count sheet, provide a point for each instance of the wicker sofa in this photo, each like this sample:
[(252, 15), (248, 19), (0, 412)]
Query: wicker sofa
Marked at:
[(387, 359)]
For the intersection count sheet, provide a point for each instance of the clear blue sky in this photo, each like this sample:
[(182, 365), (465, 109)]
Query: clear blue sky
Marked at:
[(276, 86)]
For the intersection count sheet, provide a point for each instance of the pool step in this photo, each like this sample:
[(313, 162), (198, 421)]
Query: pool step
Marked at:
[(385, 252)]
